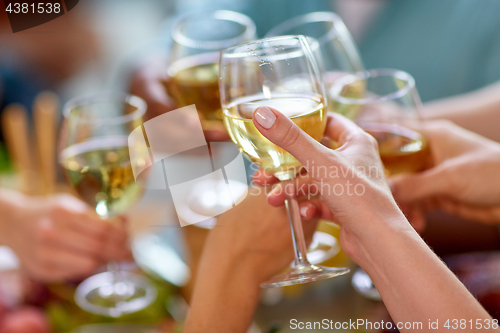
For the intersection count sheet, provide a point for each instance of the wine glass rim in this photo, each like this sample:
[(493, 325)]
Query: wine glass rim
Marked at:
[(336, 88), (228, 52), (309, 18), (132, 100), (226, 15), (248, 99)]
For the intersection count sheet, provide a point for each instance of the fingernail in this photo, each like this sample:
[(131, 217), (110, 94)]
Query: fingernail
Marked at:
[(277, 189), (265, 117), (303, 211)]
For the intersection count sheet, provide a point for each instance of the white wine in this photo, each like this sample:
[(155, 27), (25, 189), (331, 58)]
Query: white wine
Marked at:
[(100, 172), (402, 150), (307, 112), (195, 80)]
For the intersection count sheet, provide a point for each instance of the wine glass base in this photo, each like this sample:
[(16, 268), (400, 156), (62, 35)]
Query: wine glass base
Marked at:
[(115, 294), (364, 285), (304, 274)]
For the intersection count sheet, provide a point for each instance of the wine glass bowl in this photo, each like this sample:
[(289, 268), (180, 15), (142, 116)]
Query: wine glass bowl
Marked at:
[(280, 73), (193, 73), (333, 47), (386, 104), (94, 153), (193, 78), (388, 110), (271, 72), (307, 111)]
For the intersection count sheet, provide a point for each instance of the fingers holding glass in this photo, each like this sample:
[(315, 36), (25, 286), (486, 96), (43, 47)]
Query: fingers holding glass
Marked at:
[(95, 157), (257, 79)]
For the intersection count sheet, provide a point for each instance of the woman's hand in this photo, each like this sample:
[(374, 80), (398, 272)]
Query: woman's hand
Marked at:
[(149, 82), (350, 179), (313, 207), (413, 282), (59, 237), (465, 179)]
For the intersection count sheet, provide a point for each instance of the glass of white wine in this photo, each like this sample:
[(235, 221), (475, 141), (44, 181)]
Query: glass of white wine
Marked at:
[(332, 44), (281, 73), (193, 73), (336, 55), (389, 111), (193, 78), (95, 156)]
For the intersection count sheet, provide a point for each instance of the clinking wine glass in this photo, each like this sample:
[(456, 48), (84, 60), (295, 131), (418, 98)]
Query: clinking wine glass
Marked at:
[(193, 78), (262, 73), (336, 55), (96, 159), (389, 111)]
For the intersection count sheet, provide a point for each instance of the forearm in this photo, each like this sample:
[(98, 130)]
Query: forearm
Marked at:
[(413, 282), (478, 111), (224, 299)]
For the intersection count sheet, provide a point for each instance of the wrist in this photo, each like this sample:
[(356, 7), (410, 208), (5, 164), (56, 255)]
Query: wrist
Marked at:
[(224, 298), (381, 234), (225, 264)]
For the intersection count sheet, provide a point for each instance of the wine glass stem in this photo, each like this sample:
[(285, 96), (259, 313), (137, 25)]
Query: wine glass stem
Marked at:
[(292, 208), (112, 265)]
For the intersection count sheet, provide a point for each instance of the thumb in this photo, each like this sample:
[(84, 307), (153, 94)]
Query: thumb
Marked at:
[(282, 131), (414, 187)]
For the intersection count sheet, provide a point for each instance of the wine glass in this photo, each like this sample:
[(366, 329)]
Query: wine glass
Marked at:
[(336, 55), (389, 111), (193, 78), (278, 72), (95, 156), (331, 42)]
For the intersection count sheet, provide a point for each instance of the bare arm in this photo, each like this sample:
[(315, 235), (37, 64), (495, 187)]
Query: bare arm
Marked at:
[(477, 111), (413, 282), (415, 285), (249, 244)]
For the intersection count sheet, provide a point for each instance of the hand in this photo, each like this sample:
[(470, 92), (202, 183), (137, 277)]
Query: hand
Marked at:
[(465, 179), (374, 233), (59, 238), (313, 207), (149, 82), (350, 179), (25, 320), (250, 243)]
